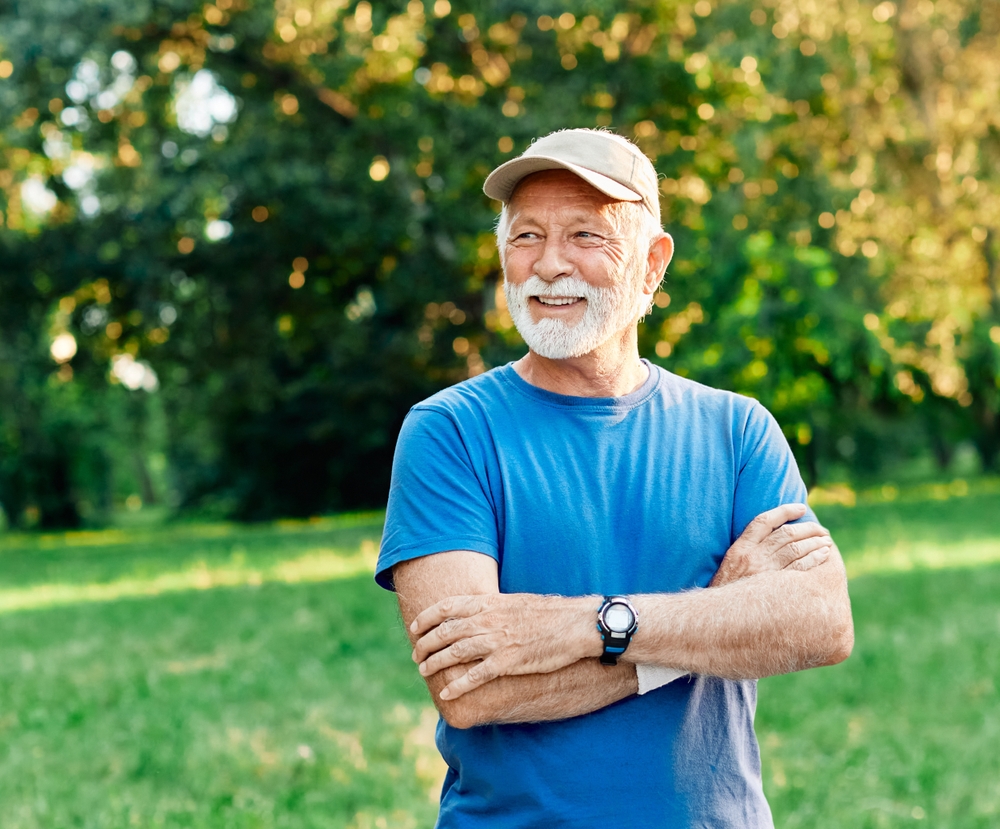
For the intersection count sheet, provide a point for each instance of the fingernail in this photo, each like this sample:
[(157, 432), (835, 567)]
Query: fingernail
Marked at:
[(445, 694), (413, 655), (423, 667), (413, 625)]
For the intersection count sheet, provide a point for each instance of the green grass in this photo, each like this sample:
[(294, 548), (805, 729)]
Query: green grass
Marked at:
[(266, 685), (228, 676), (907, 731)]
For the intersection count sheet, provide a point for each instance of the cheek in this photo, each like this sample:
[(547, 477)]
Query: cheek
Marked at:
[(615, 257), (518, 264), (604, 265)]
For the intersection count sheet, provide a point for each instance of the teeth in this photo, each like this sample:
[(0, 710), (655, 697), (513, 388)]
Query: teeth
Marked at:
[(557, 300)]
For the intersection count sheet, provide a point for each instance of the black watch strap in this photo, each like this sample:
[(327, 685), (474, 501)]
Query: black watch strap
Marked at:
[(614, 646)]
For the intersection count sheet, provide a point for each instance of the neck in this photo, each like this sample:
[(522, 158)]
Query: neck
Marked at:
[(612, 370)]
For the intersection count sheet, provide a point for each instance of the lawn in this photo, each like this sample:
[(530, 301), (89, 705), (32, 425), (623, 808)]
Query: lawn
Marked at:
[(229, 676)]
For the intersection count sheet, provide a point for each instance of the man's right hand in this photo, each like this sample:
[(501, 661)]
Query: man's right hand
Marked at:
[(771, 543)]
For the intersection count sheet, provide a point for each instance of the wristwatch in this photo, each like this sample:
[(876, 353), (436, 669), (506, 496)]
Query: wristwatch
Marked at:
[(617, 621)]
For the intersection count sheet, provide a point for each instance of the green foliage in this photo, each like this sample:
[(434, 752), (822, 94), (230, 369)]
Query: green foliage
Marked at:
[(308, 255)]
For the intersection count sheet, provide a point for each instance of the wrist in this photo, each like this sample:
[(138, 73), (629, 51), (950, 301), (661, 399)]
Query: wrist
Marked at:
[(734, 567), (588, 642)]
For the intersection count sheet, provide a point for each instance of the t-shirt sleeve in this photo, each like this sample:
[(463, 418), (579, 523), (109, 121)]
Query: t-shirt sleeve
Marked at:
[(768, 475), (438, 499)]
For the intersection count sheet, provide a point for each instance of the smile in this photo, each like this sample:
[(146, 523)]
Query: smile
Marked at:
[(558, 300)]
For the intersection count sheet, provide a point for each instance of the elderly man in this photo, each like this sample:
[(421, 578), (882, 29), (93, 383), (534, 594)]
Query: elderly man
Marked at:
[(595, 558)]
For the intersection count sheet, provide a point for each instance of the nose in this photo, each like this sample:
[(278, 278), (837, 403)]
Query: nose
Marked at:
[(553, 262)]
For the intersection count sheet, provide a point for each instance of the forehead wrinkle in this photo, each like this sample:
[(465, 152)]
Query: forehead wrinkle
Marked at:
[(562, 216)]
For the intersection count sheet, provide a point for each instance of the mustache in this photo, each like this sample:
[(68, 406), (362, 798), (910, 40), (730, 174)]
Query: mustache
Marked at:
[(567, 286)]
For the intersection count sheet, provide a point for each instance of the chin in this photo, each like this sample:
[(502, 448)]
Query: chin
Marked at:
[(555, 340)]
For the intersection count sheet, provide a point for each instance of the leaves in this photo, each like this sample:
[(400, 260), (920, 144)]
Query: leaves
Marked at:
[(279, 201)]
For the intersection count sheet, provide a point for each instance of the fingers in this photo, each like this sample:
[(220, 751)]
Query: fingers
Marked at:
[(793, 551), (496, 635), (765, 523), (474, 677), (449, 633), (450, 608), (813, 559), (794, 533), (430, 661)]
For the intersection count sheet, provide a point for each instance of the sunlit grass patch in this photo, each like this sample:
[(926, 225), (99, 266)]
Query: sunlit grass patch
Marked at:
[(924, 526), (100, 566), (312, 566)]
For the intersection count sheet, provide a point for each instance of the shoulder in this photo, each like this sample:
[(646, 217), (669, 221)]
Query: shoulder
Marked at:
[(717, 403), (473, 395), (713, 414), (458, 413)]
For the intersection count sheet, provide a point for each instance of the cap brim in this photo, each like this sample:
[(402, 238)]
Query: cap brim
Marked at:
[(501, 183)]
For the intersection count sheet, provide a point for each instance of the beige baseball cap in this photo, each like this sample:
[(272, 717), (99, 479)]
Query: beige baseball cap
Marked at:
[(609, 162)]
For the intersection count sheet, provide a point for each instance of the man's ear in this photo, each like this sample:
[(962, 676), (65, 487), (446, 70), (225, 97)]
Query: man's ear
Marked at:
[(661, 251)]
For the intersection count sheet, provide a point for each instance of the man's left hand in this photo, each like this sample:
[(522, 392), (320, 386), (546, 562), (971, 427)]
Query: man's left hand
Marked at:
[(503, 634)]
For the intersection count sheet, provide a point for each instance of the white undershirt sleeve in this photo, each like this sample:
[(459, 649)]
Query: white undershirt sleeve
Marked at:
[(655, 676)]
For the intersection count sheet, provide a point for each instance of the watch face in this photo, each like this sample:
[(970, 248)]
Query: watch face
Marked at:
[(618, 618)]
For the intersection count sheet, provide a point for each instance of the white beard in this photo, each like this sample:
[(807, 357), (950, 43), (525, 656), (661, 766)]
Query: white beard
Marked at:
[(608, 312)]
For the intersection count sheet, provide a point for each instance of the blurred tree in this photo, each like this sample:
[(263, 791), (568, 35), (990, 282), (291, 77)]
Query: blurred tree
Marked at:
[(265, 221), (918, 87)]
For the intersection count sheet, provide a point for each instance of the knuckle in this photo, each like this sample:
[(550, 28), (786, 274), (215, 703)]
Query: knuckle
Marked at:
[(803, 563), (481, 673), (493, 620)]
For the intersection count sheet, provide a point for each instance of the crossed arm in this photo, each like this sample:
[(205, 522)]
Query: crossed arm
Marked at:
[(778, 603)]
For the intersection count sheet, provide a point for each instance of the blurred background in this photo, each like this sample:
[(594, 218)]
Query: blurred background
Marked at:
[(238, 240)]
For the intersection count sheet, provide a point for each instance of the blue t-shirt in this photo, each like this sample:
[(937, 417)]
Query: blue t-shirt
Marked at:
[(577, 496)]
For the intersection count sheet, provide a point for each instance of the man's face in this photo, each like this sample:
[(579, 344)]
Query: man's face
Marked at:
[(571, 278)]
